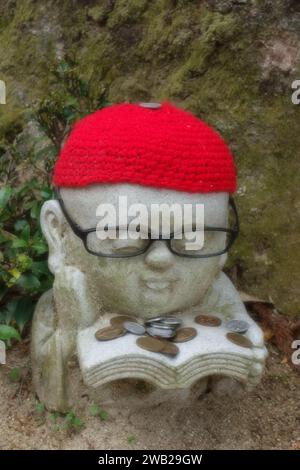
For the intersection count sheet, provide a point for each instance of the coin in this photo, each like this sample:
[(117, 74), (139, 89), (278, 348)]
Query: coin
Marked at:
[(110, 332), (170, 349), (120, 319), (239, 340), (134, 327), (153, 320), (237, 326), (161, 331), (184, 334), (150, 344), (157, 345), (150, 105), (173, 322), (208, 320)]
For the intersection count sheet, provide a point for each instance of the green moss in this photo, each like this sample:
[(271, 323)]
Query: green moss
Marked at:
[(202, 60), (11, 123), (99, 13), (126, 12)]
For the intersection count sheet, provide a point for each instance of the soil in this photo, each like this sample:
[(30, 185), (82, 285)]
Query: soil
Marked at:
[(266, 418)]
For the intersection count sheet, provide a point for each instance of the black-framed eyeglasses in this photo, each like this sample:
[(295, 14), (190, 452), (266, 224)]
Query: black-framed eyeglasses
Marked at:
[(217, 240)]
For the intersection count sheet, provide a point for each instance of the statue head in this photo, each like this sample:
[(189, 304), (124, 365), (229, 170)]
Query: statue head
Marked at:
[(121, 163)]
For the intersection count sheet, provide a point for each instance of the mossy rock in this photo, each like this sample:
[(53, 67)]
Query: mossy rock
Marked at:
[(222, 60)]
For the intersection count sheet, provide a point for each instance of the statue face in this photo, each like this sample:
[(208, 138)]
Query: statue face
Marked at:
[(155, 282)]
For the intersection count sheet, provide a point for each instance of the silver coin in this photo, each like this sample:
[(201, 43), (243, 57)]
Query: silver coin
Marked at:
[(134, 328), (161, 331), (237, 326), (172, 322), (150, 105), (153, 320)]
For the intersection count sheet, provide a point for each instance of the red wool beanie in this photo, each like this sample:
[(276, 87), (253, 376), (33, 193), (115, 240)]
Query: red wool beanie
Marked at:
[(152, 145)]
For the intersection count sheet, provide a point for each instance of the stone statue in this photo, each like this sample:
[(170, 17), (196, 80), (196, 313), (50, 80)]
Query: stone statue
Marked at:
[(152, 154)]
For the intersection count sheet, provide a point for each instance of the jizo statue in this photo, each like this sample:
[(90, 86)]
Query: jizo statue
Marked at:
[(141, 228)]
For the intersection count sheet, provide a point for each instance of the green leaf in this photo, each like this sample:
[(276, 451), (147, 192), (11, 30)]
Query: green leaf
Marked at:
[(35, 210), (103, 415), (94, 410), (23, 312), (10, 310), (26, 233), (5, 195), (29, 282), (131, 439), (40, 247), (19, 243), (49, 150), (15, 374), (63, 67), (47, 193), (9, 332), (3, 291), (40, 267), (20, 224), (23, 262), (40, 408)]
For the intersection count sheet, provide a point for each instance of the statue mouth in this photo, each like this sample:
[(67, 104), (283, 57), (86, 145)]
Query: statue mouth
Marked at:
[(158, 285)]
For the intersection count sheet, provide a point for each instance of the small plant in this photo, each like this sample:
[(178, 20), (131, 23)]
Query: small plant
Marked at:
[(15, 374), (73, 99), (40, 408), (40, 413), (131, 439), (24, 272), (7, 333), (53, 417), (96, 410), (70, 422)]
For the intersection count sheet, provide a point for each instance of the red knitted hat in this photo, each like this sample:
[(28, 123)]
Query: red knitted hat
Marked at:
[(162, 146)]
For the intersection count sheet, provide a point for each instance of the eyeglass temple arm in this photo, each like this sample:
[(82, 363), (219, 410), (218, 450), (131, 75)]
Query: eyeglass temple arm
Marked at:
[(236, 226), (75, 227)]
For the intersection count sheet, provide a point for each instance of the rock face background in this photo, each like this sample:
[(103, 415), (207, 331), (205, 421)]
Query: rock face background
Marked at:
[(231, 62)]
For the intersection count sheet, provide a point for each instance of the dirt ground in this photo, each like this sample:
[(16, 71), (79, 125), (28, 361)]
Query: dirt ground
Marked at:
[(266, 418)]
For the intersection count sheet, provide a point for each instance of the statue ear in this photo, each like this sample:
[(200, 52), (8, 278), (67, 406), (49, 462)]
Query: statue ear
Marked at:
[(53, 227)]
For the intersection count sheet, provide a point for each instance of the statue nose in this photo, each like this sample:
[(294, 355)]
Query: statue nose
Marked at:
[(159, 256)]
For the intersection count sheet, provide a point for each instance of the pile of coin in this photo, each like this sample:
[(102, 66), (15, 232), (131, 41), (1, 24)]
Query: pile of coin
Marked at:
[(157, 334), (236, 328)]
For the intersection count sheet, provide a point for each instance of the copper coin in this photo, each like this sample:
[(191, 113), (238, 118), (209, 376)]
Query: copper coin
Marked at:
[(170, 349), (208, 320), (239, 340), (150, 344), (184, 334), (110, 332), (120, 319)]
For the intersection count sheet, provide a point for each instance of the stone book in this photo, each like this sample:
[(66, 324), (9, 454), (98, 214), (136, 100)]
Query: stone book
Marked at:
[(209, 353)]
